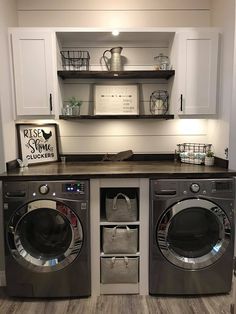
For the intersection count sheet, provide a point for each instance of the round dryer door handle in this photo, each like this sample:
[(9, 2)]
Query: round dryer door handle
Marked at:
[(43, 189)]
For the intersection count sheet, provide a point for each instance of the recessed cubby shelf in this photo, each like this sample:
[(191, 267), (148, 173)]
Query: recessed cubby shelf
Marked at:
[(149, 74), (119, 255), (119, 240), (109, 223)]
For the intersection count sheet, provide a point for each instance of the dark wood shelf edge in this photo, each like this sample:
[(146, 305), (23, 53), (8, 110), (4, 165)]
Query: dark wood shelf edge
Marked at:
[(149, 74), (91, 117)]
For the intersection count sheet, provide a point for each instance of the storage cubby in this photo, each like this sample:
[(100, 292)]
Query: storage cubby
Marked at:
[(122, 237), (120, 270), (108, 194), (119, 240), (99, 188)]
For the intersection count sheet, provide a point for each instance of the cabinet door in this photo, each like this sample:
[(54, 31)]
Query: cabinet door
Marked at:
[(32, 54), (198, 54)]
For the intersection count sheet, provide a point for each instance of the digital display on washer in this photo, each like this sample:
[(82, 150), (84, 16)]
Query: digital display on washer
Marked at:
[(223, 185), (73, 187)]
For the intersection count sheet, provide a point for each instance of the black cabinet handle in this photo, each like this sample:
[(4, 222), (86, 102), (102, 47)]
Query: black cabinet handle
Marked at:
[(50, 101), (181, 102)]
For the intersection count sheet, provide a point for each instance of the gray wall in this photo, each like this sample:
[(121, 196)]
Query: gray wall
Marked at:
[(232, 139), (122, 13), (8, 18), (224, 16)]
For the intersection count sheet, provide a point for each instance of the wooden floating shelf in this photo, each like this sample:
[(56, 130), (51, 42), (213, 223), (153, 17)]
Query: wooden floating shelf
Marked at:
[(150, 74), (97, 117)]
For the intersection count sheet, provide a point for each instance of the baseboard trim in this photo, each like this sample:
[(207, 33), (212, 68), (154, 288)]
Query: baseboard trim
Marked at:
[(2, 279)]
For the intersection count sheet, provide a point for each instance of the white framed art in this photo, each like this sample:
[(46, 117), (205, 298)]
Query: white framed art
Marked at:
[(116, 100), (37, 142)]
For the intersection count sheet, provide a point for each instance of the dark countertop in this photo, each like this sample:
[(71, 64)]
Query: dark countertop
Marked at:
[(124, 169)]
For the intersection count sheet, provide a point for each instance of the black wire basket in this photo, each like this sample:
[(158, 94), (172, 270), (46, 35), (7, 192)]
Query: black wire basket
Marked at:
[(75, 60), (193, 153), (159, 102)]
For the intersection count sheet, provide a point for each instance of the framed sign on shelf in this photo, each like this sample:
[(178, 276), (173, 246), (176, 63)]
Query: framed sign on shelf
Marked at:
[(116, 100), (37, 143)]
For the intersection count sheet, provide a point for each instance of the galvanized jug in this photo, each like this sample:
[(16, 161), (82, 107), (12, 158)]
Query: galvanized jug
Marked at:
[(115, 62)]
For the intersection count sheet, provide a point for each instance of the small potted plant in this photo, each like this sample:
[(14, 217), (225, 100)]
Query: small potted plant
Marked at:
[(209, 158), (75, 104)]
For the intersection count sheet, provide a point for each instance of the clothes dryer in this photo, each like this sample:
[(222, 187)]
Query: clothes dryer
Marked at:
[(191, 236)]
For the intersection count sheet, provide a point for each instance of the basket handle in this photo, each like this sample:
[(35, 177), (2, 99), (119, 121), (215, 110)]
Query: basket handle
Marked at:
[(115, 229), (125, 197), (113, 260), (126, 260)]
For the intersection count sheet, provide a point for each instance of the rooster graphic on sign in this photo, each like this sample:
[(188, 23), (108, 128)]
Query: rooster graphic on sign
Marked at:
[(46, 136)]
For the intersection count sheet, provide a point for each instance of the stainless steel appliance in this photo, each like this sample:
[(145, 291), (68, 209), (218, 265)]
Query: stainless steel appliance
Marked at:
[(191, 236), (47, 238)]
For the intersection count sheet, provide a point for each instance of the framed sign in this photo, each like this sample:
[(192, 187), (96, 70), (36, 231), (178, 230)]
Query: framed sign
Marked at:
[(37, 143), (116, 100)]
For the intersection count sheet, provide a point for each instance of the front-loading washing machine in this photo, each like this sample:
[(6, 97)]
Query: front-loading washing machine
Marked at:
[(47, 238), (191, 236)]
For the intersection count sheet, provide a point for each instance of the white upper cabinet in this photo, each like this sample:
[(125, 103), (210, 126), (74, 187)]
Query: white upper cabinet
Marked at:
[(33, 70), (197, 72), (36, 58)]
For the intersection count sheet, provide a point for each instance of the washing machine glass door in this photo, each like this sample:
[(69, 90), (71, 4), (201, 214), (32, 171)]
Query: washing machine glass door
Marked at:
[(45, 235), (193, 233)]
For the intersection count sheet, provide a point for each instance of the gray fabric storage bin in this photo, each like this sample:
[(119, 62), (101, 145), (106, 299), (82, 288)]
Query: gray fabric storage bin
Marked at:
[(119, 270), (120, 240), (121, 208)]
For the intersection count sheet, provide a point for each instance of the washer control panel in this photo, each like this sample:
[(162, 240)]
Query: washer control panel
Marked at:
[(77, 190), (74, 187), (71, 189)]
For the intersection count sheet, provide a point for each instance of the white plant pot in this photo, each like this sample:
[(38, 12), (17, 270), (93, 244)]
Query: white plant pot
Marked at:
[(209, 161)]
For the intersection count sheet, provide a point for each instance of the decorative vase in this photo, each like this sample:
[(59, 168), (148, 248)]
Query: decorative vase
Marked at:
[(67, 110), (76, 111), (115, 62), (209, 161)]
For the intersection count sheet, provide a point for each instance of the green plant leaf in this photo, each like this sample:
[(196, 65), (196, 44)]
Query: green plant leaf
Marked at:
[(74, 102)]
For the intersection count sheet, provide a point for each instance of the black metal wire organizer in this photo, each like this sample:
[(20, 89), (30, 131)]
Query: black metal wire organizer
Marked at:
[(75, 60), (193, 153)]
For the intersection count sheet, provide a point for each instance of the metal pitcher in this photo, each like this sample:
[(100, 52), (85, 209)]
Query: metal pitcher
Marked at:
[(115, 63)]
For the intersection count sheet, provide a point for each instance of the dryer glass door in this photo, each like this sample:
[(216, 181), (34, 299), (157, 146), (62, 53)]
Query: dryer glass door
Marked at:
[(193, 233), (45, 235)]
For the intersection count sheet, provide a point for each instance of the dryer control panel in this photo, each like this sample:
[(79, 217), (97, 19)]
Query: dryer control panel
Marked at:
[(220, 188)]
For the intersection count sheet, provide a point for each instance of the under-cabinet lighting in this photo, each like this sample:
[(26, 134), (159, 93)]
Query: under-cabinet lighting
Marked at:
[(192, 126), (115, 32)]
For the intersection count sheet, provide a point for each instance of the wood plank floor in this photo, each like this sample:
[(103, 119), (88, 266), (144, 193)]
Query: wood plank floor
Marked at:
[(122, 304)]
